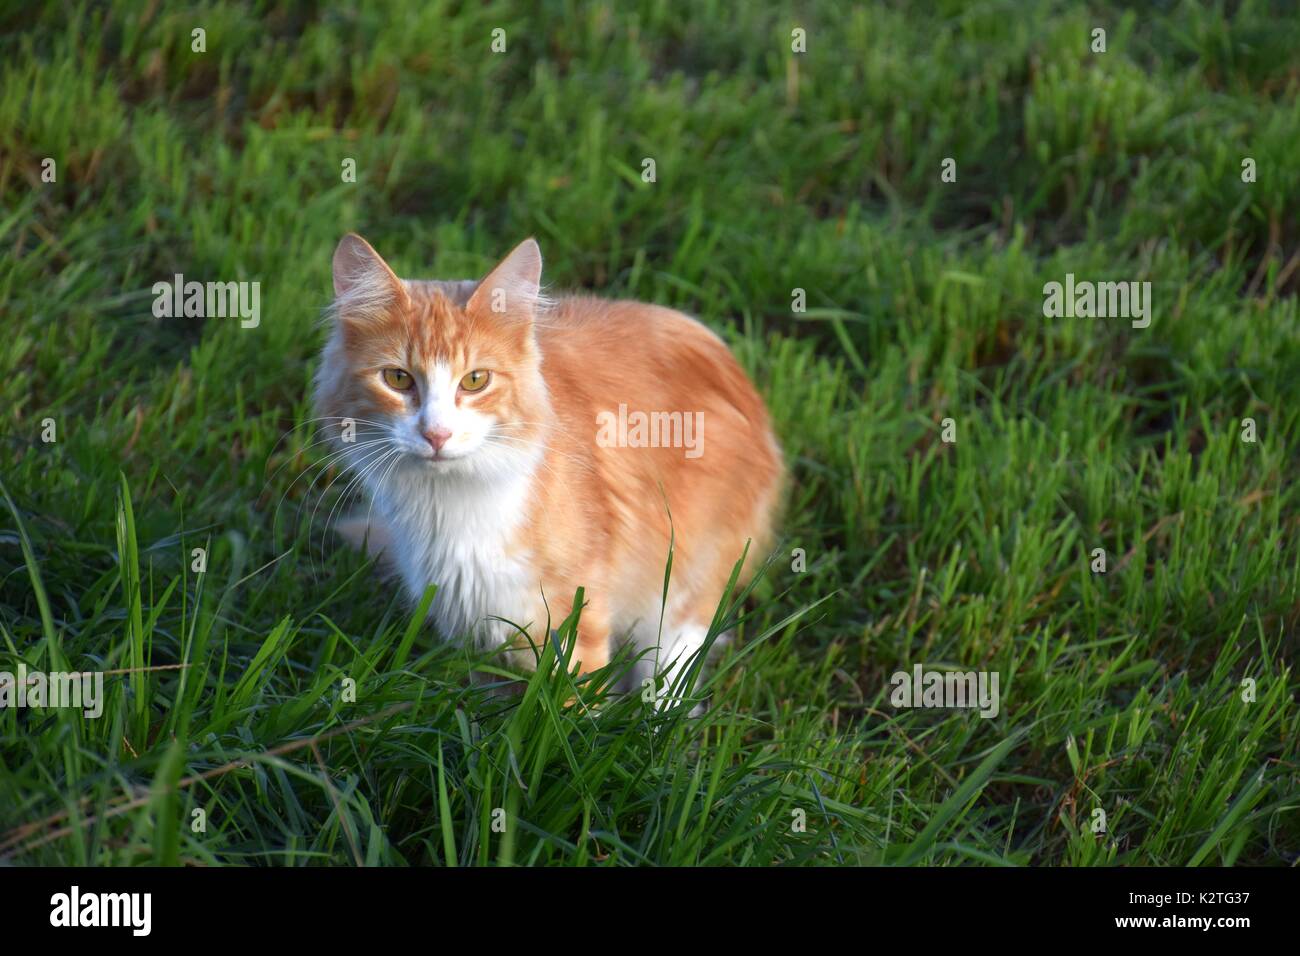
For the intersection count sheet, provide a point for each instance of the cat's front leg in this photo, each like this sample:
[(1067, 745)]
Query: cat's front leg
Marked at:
[(592, 650)]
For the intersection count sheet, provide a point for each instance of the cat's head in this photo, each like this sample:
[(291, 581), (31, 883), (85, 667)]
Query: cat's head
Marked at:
[(436, 378)]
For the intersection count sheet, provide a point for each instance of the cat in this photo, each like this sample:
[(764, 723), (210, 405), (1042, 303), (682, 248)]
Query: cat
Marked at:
[(492, 440)]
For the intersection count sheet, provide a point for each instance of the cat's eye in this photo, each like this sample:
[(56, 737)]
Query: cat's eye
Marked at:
[(476, 380), (398, 379)]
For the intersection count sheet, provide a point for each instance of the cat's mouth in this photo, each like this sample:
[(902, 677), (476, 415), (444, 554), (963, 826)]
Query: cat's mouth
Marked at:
[(441, 458)]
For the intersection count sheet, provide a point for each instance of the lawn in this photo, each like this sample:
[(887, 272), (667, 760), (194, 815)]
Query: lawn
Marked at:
[(963, 465)]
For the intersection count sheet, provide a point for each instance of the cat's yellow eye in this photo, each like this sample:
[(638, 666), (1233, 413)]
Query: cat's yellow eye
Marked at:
[(398, 379), (476, 380)]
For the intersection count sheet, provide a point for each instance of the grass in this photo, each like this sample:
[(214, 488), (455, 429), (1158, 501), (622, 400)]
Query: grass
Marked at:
[(1120, 691)]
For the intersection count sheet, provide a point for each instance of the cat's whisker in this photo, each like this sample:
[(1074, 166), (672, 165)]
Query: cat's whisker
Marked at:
[(323, 465), (362, 472), (498, 439), (320, 441), (319, 418), (324, 462), (545, 446), (345, 470), (548, 427), (343, 495), (358, 480), (382, 478), (551, 425), (541, 461), (370, 458)]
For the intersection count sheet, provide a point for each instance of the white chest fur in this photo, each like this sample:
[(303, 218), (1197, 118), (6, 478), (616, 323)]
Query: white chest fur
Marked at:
[(461, 534)]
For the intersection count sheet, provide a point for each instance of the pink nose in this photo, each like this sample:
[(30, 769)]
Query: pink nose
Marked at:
[(437, 437)]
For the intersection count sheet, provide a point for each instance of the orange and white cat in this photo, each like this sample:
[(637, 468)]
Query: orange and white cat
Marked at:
[(492, 439)]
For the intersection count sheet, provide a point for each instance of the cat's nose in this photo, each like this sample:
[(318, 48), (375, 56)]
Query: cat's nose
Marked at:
[(437, 437)]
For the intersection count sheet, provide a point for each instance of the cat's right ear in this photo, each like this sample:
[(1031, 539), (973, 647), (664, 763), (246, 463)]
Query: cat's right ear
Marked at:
[(364, 285), (513, 287)]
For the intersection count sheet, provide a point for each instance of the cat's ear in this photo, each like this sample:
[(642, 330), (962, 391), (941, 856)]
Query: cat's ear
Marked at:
[(364, 286), (513, 288)]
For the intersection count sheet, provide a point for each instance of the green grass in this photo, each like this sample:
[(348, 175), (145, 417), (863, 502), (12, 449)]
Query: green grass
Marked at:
[(1120, 691)]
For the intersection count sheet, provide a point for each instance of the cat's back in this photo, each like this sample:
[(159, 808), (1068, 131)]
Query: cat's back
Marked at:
[(577, 320), (642, 353)]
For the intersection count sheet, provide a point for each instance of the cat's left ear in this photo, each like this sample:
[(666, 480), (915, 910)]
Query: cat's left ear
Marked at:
[(513, 288), (364, 285)]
